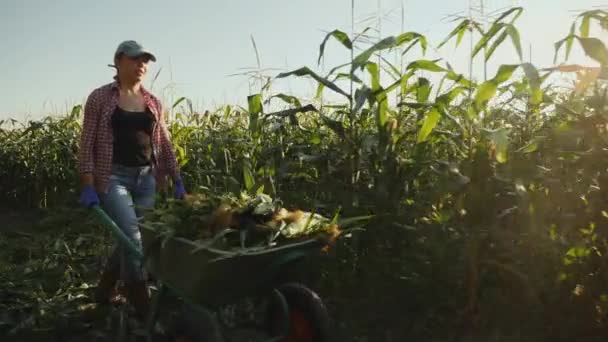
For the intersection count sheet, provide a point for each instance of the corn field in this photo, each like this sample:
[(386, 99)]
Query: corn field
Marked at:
[(490, 198)]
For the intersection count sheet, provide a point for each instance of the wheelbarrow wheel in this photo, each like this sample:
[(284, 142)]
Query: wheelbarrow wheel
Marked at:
[(194, 325), (307, 315)]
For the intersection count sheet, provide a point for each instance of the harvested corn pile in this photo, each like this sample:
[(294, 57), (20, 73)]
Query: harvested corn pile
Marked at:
[(201, 217)]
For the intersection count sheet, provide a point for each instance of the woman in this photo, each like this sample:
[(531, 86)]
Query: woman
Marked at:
[(125, 156)]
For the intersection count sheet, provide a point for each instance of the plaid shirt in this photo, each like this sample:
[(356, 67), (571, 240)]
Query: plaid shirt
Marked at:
[(96, 140)]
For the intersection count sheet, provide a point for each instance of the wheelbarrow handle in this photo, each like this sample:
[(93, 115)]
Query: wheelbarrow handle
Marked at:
[(118, 233)]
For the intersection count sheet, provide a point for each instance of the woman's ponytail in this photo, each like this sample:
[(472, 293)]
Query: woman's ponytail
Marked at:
[(115, 67)]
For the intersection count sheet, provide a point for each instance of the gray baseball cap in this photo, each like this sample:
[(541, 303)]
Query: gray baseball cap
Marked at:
[(131, 48)]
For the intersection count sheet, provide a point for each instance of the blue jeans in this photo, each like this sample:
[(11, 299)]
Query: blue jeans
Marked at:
[(130, 191)]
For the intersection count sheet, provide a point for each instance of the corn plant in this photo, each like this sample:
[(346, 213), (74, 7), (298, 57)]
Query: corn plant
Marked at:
[(39, 161), (493, 189)]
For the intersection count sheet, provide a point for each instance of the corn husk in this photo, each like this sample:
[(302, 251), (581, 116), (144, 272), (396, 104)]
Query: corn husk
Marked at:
[(201, 217)]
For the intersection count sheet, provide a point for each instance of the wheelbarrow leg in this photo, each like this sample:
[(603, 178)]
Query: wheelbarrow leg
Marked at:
[(153, 317), (243, 237)]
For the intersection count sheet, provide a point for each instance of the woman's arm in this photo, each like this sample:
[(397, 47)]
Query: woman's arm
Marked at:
[(86, 163), (166, 150)]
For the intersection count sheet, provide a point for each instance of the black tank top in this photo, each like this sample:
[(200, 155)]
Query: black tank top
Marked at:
[(132, 137)]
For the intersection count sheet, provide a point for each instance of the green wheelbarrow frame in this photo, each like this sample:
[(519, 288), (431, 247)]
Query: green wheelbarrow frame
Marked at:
[(207, 278)]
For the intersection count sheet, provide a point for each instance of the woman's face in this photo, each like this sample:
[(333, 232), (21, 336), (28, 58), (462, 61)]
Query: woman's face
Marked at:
[(133, 68)]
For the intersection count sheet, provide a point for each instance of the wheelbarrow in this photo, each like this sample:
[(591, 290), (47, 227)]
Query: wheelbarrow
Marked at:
[(203, 279)]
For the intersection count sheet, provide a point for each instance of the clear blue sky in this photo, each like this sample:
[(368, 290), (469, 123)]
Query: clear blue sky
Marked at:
[(55, 52)]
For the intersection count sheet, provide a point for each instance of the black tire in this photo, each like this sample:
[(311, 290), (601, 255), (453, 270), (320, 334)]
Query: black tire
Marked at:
[(308, 317)]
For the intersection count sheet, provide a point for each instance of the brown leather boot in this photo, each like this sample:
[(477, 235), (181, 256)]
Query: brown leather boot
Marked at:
[(106, 288), (138, 295)]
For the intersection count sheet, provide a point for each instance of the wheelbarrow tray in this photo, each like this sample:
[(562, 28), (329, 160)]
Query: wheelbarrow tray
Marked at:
[(212, 277)]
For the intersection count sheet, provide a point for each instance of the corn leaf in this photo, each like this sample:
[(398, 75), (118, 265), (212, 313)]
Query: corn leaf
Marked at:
[(494, 29), (255, 109), (361, 59), (387, 43), (248, 177), (334, 69), (494, 46), (293, 111), (535, 82), (350, 221), (430, 121), (483, 42), (569, 41), (339, 36), (374, 72), (585, 23), (361, 95), (414, 38), (519, 11), (392, 69), (461, 34), (305, 71), (335, 126), (423, 90), (424, 64), (485, 92), (458, 78), (446, 99), (408, 37), (354, 78), (504, 73), (516, 39), (227, 111), (529, 148), (500, 139), (460, 30), (292, 100), (176, 103), (394, 85), (595, 49)]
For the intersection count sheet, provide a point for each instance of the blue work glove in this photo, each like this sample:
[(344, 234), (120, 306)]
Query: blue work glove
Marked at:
[(180, 192), (88, 197)]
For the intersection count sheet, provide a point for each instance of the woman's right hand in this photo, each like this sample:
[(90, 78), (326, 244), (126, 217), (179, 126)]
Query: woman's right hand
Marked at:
[(88, 197)]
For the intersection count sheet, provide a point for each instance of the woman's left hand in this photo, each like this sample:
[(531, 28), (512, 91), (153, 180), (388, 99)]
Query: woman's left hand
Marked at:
[(180, 192)]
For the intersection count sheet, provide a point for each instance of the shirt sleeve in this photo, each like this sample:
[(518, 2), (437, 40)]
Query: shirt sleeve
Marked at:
[(88, 133), (167, 151)]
